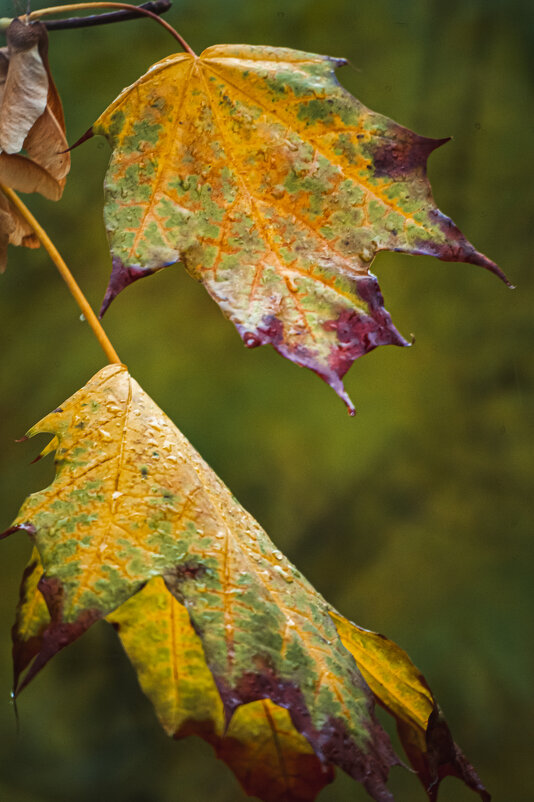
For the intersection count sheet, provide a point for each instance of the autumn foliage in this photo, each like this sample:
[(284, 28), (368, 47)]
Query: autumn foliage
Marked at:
[(275, 188)]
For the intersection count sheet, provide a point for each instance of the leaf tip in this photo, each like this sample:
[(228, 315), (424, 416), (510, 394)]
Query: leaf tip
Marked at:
[(23, 527), (121, 277), (339, 388), (456, 247), (477, 258), (84, 137)]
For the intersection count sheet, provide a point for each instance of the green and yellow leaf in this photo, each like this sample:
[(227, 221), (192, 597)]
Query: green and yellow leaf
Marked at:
[(276, 188), (137, 528)]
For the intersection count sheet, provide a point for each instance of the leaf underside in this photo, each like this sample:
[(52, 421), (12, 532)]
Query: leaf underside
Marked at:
[(230, 642), (275, 188)]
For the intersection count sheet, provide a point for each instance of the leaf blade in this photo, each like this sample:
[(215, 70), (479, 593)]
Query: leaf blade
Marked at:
[(133, 511), (266, 633), (276, 188)]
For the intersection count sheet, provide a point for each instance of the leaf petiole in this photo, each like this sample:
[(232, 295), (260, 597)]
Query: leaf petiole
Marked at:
[(139, 9), (65, 273)]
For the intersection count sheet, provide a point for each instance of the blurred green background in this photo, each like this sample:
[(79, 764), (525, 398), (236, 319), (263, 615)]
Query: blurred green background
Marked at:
[(414, 518)]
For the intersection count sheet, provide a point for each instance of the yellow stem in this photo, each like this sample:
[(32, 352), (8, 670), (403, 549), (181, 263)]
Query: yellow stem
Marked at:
[(67, 276), (82, 6)]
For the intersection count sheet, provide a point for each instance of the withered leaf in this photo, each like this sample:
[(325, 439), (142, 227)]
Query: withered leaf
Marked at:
[(276, 188), (14, 230), (137, 528), (33, 147), (23, 83)]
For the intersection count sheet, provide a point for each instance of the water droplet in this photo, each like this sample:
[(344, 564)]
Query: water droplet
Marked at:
[(82, 318), (116, 494), (221, 533), (105, 435), (366, 254), (279, 570), (278, 191), (251, 340), (277, 554)]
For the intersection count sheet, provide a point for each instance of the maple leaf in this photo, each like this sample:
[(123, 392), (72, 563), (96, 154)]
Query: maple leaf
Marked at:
[(137, 528), (33, 147), (269, 756), (276, 188)]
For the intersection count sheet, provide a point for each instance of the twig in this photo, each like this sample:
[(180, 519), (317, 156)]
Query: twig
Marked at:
[(126, 6), (157, 7)]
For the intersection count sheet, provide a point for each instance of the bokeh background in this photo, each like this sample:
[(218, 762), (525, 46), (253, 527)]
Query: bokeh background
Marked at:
[(414, 518)]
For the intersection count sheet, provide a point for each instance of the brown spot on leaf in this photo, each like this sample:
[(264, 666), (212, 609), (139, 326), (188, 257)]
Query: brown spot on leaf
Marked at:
[(189, 570), (58, 633), (358, 333), (270, 331), (397, 157)]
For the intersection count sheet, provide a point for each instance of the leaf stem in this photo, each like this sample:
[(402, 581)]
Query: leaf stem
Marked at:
[(82, 6), (65, 273)]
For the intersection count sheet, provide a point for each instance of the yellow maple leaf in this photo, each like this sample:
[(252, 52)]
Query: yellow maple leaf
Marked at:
[(137, 528), (276, 188)]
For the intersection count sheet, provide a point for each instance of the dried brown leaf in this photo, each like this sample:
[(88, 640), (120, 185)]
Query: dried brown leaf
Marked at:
[(25, 89), (34, 153), (14, 230)]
